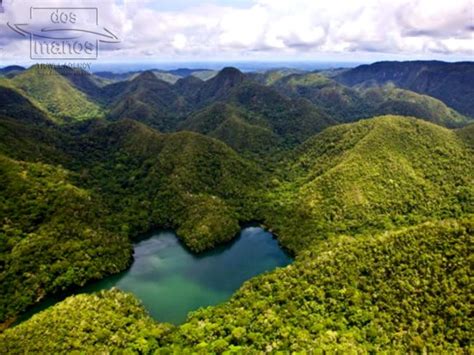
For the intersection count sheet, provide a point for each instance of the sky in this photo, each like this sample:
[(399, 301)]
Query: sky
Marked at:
[(264, 30)]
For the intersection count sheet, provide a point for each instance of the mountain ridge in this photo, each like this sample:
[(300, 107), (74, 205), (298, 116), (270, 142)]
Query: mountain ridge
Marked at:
[(448, 82)]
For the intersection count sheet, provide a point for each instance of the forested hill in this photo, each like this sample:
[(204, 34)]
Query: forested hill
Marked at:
[(367, 180), (449, 82), (376, 174), (405, 291)]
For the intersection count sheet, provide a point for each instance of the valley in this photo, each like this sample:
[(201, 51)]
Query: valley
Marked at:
[(171, 281), (365, 179)]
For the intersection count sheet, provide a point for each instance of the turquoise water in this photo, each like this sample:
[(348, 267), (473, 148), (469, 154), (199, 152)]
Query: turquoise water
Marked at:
[(171, 281)]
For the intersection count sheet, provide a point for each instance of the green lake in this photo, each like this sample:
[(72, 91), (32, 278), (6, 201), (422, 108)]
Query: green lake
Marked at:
[(171, 281)]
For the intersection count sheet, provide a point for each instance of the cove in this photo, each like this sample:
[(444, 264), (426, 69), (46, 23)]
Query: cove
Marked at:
[(171, 281)]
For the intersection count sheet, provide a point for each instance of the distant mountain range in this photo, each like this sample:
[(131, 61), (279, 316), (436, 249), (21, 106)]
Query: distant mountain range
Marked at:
[(448, 82), (313, 101), (364, 174)]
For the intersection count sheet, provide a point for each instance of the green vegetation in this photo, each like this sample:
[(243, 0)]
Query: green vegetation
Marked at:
[(204, 74), (390, 100), (342, 103), (372, 175), (30, 142), (149, 100), (53, 93), (18, 107), (240, 130), (125, 179), (50, 236), (149, 179), (89, 84), (378, 212), (280, 120), (467, 134), (448, 82), (293, 119), (404, 291), (219, 87), (88, 323), (272, 76), (347, 104)]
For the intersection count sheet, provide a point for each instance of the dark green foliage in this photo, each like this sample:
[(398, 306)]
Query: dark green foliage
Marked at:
[(32, 142), (209, 119), (149, 179), (390, 100), (149, 100), (18, 107), (448, 82), (188, 87), (405, 291), (240, 130), (208, 221), (293, 119), (372, 175), (369, 176), (88, 323), (127, 179), (378, 212), (341, 102), (50, 236), (246, 138), (218, 87), (467, 134), (89, 84), (347, 104), (54, 94), (272, 76)]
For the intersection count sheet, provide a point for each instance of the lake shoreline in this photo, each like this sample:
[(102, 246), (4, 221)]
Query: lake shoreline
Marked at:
[(161, 255)]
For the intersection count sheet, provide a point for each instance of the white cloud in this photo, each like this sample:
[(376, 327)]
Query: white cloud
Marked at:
[(273, 28), (179, 41)]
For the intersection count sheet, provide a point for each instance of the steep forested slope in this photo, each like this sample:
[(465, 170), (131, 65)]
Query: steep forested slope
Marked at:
[(401, 291), (233, 106), (149, 100), (182, 180), (343, 103), (218, 87), (448, 82), (18, 107), (31, 142), (97, 323), (404, 291), (234, 126), (89, 84), (50, 235), (54, 94), (378, 212), (347, 104), (122, 179), (293, 119), (467, 134), (390, 100), (373, 175)]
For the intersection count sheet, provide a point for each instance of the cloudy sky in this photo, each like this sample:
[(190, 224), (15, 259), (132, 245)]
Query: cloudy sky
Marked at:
[(267, 30)]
